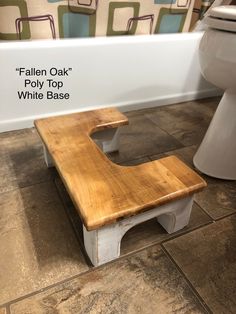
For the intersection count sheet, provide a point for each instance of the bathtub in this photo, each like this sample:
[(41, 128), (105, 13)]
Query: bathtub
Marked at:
[(50, 77)]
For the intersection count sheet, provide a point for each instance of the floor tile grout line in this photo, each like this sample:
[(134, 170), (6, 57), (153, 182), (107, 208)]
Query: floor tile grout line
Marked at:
[(167, 133), (215, 219), (27, 186), (33, 293), (205, 211), (36, 183), (191, 286), (155, 124), (223, 217), (188, 231)]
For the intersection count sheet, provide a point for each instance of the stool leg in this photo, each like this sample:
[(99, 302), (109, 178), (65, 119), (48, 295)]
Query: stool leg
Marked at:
[(107, 140), (47, 157), (102, 245), (178, 217), (112, 145)]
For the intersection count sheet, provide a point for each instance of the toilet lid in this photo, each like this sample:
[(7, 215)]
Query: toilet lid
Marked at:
[(222, 18)]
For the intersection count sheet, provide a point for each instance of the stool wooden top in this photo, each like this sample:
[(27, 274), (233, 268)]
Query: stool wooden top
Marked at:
[(102, 191)]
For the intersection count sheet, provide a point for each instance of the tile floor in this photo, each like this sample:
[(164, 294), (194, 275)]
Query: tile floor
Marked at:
[(43, 266)]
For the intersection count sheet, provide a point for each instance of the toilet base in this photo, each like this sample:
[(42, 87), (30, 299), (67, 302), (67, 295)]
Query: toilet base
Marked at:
[(216, 155)]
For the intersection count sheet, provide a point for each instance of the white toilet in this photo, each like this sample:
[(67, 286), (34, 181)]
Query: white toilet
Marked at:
[(216, 155)]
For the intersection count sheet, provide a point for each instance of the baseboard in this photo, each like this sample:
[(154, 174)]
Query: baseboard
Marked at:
[(28, 122), (171, 99)]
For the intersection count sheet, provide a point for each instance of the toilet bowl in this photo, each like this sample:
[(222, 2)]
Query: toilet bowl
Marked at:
[(216, 155)]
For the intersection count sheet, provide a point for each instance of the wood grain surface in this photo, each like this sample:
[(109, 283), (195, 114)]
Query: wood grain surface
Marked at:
[(102, 191)]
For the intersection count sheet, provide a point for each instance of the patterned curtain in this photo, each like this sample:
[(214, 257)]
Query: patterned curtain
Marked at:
[(37, 19)]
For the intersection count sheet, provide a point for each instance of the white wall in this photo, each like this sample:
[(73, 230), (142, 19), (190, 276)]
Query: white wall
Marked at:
[(129, 72)]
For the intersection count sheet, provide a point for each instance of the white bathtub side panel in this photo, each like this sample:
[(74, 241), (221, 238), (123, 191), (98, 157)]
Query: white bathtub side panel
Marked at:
[(138, 71)]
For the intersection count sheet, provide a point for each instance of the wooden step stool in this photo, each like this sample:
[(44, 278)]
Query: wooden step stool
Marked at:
[(109, 198)]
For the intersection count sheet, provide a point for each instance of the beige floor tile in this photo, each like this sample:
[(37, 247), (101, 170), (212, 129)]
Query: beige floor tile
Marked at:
[(219, 198), (17, 139), (21, 160), (144, 283), (207, 258), (8, 179), (142, 138), (37, 244), (187, 122)]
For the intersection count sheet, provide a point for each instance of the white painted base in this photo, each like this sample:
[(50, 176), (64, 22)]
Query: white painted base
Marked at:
[(107, 140), (47, 157), (103, 245), (216, 155)]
